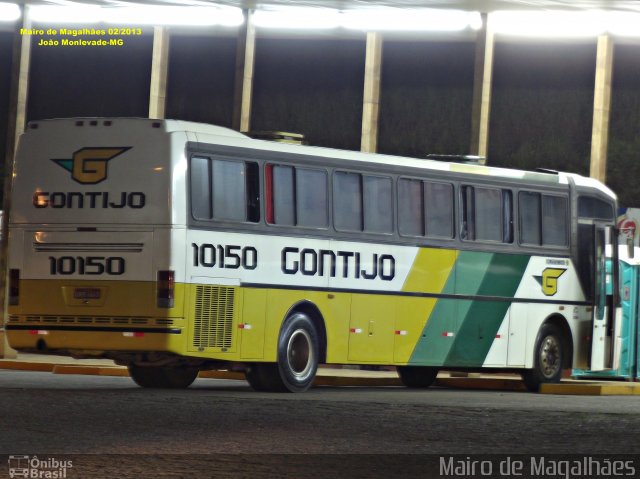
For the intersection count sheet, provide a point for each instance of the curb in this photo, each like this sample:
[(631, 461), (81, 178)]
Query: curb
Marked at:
[(27, 366), (90, 370), (325, 378), (592, 389)]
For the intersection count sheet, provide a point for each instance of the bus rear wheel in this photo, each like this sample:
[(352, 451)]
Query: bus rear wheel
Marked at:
[(548, 360), (163, 377), (298, 353), (417, 376)]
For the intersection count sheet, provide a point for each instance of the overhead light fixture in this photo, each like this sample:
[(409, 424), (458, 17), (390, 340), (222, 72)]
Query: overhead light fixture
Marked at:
[(409, 19), (67, 13), (170, 15), (9, 12), (297, 18), (548, 23), (626, 24)]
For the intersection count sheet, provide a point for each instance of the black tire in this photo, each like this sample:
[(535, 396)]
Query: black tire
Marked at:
[(163, 377), (263, 377), (417, 376), (298, 353), (548, 358)]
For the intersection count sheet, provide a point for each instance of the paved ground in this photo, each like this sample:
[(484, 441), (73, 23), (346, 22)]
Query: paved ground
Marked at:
[(221, 428)]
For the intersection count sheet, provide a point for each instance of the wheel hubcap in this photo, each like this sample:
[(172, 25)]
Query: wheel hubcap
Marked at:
[(300, 354), (550, 356)]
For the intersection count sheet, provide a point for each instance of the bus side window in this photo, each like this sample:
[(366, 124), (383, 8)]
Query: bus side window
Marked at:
[(507, 216), (377, 193), (296, 196), (530, 218), (224, 190), (554, 220), (200, 184), (410, 207), (487, 214), (362, 202), (252, 179), (425, 208), (468, 218), (283, 195), (590, 207), (312, 198), (438, 199), (543, 219), (347, 201)]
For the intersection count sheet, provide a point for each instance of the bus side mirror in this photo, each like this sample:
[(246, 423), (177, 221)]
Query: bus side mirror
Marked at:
[(630, 248)]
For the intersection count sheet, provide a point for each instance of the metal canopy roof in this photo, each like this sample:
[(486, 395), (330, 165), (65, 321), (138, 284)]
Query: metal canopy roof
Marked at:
[(470, 5), (473, 5)]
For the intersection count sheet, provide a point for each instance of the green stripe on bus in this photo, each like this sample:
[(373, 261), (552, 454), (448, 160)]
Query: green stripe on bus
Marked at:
[(439, 332), (482, 319), (460, 332)]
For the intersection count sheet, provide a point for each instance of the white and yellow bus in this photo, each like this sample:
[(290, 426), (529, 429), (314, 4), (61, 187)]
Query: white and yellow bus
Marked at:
[(173, 247)]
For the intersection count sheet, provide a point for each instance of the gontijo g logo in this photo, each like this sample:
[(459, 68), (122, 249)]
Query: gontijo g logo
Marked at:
[(89, 165), (549, 280)]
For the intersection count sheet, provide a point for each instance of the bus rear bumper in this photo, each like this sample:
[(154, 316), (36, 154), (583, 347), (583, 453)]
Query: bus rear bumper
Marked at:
[(93, 340)]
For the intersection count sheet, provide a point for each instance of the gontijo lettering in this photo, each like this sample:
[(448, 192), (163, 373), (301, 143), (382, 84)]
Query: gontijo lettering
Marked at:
[(89, 199), (307, 261), (344, 264)]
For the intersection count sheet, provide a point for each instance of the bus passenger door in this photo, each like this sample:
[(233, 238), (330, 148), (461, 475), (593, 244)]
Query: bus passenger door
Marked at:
[(605, 286)]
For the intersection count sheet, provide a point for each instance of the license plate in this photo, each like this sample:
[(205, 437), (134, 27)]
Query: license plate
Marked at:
[(86, 293)]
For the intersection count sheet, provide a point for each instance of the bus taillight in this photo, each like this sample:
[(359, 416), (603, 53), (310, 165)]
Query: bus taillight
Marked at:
[(14, 287), (165, 287)]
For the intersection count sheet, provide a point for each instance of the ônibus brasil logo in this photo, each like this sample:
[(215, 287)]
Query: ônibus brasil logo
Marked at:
[(89, 165), (33, 467)]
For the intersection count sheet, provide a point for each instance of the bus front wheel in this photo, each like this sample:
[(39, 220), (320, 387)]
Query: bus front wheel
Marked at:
[(298, 352), (547, 362), (417, 376), (163, 377)]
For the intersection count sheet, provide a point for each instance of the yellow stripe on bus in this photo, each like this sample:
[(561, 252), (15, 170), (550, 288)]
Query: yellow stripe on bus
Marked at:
[(429, 274)]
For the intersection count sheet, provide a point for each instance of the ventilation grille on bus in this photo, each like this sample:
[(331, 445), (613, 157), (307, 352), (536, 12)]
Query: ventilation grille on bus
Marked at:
[(213, 317), (99, 320)]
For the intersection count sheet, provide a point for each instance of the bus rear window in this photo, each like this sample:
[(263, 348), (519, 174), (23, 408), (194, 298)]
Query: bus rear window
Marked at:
[(225, 190)]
